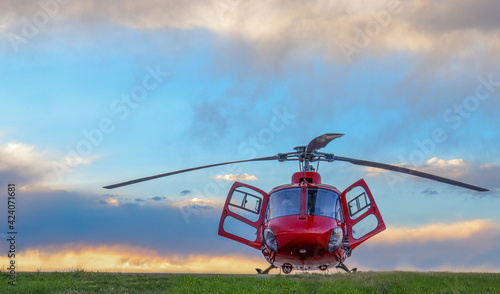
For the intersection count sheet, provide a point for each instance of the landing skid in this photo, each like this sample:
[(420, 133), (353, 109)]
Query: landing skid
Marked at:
[(266, 271), (344, 267)]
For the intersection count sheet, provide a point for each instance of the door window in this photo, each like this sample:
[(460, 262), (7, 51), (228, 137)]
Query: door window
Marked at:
[(364, 226), (246, 203), (358, 202), (239, 229)]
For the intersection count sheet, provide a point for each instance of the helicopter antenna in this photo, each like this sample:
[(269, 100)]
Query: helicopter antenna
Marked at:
[(309, 154)]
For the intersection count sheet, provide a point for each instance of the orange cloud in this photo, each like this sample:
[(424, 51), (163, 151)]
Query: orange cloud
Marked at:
[(434, 232), (465, 246), (120, 258)]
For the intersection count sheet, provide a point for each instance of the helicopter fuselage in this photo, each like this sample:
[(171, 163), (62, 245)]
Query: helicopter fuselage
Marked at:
[(304, 225)]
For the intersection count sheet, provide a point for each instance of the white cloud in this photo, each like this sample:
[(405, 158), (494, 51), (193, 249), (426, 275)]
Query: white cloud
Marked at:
[(455, 168), (373, 172), (237, 177), (199, 202), (489, 165), (26, 165), (445, 163), (15, 152), (78, 160), (23, 163), (485, 175)]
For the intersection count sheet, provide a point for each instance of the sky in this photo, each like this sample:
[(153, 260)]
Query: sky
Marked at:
[(99, 92)]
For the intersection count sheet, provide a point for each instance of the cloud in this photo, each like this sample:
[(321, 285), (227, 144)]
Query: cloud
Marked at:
[(122, 258), (453, 15), (62, 217), (454, 168), (185, 192), (375, 172), (464, 246), (274, 45), (22, 163), (109, 201), (436, 232), (236, 177), (489, 165), (429, 192), (293, 28), (199, 202), (78, 160), (487, 175), (158, 198), (27, 165)]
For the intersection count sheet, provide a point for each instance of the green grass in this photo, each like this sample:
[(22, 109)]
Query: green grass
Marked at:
[(361, 282)]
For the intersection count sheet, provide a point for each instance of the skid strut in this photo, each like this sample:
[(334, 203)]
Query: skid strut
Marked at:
[(266, 271), (344, 267)]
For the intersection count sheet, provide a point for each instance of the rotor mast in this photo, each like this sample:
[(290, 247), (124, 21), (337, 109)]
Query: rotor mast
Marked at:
[(304, 159)]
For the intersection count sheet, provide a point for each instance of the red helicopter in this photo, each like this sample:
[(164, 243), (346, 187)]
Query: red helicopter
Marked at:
[(305, 225)]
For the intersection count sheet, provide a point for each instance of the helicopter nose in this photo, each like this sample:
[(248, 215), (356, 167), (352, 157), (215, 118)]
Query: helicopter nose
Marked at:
[(311, 248), (304, 237)]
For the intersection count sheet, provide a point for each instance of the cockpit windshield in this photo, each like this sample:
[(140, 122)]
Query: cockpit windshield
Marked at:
[(284, 202), (320, 202), (323, 202)]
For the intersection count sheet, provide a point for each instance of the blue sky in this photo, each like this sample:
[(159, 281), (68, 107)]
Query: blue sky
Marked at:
[(98, 93)]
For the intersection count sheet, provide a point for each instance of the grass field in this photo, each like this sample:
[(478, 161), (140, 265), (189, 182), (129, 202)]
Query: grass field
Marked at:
[(361, 282)]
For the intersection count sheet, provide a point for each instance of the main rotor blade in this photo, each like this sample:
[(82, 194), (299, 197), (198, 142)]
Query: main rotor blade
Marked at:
[(183, 171), (410, 172), (321, 141)]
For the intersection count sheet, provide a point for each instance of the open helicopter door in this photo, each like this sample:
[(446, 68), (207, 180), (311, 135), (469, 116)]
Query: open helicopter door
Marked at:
[(362, 217), (243, 215)]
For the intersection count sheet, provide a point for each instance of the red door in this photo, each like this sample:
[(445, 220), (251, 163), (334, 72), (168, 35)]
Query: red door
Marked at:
[(243, 215), (362, 217)]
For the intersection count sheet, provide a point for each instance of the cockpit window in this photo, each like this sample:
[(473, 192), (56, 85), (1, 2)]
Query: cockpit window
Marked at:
[(284, 202), (323, 202)]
